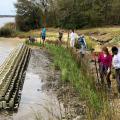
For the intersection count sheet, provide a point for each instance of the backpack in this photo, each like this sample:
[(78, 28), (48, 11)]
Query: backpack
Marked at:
[(81, 41)]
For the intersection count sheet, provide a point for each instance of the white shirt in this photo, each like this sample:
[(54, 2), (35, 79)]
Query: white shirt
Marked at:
[(72, 36), (116, 61)]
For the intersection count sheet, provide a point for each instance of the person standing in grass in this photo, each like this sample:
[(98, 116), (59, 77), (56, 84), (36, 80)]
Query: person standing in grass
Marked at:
[(105, 63), (116, 65), (43, 35), (60, 35), (72, 38), (82, 45)]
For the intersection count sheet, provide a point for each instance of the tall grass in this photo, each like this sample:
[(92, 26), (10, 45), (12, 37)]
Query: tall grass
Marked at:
[(76, 71), (80, 77), (90, 43)]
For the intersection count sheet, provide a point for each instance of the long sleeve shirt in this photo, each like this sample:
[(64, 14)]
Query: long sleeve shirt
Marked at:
[(116, 61), (105, 60)]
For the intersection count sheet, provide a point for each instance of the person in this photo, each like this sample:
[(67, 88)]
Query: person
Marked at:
[(82, 45), (43, 35), (60, 35), (105, 63), (32, 39), (116, 65), (72, 39)]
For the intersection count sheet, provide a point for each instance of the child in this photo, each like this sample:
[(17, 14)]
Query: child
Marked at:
[(43, 35)]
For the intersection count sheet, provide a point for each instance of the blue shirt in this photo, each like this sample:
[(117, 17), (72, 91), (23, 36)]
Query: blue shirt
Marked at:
[(43, 33)]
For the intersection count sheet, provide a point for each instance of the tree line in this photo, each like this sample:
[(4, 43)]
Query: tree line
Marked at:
[(32, 14)]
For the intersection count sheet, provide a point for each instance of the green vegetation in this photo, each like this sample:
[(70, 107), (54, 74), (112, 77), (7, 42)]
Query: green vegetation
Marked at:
[(67, 13), (90, 44), (116, 40), (28, 15), (8, 30), (77, 76)]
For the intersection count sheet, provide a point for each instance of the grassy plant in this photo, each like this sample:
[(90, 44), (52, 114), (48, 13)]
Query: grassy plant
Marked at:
[(116, 40), (90, 43), (78, 77)]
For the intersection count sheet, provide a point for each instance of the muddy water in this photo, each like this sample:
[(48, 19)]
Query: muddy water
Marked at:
[(37, 102)]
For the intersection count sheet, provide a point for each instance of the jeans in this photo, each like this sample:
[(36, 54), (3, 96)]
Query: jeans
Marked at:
[(104, 75)]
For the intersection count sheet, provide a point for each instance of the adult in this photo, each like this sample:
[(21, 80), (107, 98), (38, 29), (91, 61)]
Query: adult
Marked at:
[(43, 35), (82, 44), (116, 65), (72, 38), (105, 63)]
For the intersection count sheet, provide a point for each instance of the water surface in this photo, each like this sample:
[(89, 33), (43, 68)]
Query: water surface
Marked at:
[(4, 20), (36, 100)]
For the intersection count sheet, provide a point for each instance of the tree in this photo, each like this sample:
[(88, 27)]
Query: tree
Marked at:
[(29, 15), (67, 13)]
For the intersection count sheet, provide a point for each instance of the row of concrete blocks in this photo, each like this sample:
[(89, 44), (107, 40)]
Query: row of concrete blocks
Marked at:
[(10, 90), (8, 64)]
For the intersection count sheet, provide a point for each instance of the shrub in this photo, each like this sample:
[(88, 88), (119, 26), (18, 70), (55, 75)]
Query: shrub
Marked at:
[(10, 25), (6, 32)]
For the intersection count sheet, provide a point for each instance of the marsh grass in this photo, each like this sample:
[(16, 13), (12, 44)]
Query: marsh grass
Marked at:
[(76, 72)]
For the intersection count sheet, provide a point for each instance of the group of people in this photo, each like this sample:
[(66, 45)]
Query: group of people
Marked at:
[(108, 61), (80, 39), (81, 42)]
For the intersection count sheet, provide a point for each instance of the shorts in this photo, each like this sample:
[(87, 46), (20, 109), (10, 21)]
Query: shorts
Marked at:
[(43, 38)]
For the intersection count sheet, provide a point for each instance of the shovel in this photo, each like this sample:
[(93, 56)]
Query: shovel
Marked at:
[(97, 71)]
